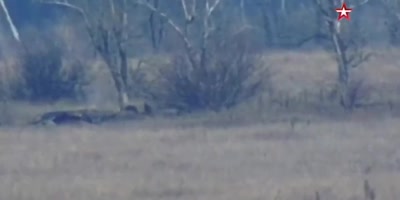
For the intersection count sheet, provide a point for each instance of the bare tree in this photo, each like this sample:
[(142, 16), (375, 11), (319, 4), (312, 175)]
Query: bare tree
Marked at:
[(348, 51), (392, 10), (214, 72), (274, 14), (109, 27), (14, 30), (189, 10)]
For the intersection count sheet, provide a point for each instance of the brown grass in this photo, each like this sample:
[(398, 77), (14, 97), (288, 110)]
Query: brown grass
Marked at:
[(310, 70), (155, 160), (251, 152)]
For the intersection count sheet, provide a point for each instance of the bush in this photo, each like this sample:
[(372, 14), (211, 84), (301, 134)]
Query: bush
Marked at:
[(46, 78), (225, 76)]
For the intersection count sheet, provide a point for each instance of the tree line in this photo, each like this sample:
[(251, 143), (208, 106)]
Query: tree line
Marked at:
[(213, 44)]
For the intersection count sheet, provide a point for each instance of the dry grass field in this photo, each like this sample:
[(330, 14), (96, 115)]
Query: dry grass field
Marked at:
[(165, 160), (246, 154)]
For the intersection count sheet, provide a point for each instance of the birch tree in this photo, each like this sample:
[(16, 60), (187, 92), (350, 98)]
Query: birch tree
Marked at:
[(110, 29), (348, 52)]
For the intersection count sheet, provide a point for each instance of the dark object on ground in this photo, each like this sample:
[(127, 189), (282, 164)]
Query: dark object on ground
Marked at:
[(147, 109), (74, 117), (87, 116), (131, 108), (62, 117)]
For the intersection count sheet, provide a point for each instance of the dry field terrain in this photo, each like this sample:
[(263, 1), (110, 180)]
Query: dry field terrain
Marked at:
[(164, 159), (253, 152)]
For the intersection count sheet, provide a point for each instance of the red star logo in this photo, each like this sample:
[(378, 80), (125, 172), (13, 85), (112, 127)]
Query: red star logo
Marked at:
[(344, 12)]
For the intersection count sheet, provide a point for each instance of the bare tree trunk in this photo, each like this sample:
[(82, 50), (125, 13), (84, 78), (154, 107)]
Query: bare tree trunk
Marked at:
[(123, 99), (269, 24), (123, 59), (343, 71), (334, 29), (123, 96), (156, 29), (120, 85), (243, 19), (283, 7)]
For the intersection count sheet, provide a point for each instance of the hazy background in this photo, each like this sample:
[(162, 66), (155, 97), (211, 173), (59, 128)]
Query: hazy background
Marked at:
[(200, 99)]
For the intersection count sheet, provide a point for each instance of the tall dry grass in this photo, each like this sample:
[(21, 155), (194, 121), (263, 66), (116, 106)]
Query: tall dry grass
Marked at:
[(155, 160)]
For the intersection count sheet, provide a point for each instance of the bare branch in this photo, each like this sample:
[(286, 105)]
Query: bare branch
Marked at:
[(66, 4), (77, 9), (9, 20), (187, 16), (194, 3), (323, 11), (389, 8), (211, 9), (358, 58), (359, 4), (169, 21), (178, 30)]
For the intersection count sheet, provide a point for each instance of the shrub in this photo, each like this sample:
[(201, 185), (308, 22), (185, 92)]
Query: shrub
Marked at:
[(45, 76), (223, 77)]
